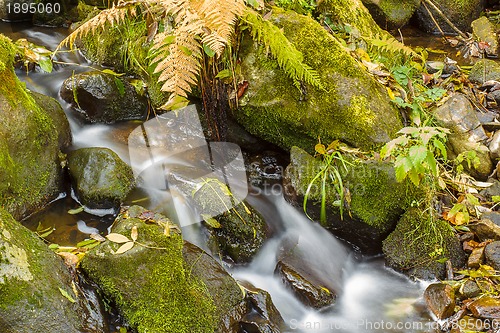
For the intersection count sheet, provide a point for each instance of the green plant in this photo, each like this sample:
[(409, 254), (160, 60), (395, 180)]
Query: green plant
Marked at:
[(328, 176), (417, 151)]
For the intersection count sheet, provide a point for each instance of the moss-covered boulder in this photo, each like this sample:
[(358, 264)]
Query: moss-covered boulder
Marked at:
[(104, 98), (460, 12), (419, 246), (29, 144), (392, 14), (354, 107), (161, 285), (376, 200), (33, 285), (485, 70), (241, 234), (484, 30), (100, 178)]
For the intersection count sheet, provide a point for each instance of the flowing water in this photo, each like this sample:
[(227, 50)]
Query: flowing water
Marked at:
[(371, 297)]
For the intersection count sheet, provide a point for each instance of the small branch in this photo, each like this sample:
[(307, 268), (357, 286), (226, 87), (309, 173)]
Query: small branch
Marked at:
[(433, 19), (443, 16)]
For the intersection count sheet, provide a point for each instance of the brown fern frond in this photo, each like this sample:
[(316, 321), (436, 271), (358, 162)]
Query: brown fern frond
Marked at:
[(219, 18)]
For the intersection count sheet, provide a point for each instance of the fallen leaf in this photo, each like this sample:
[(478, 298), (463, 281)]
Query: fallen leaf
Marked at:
[(134, 233), (124, 248), (117, 238)]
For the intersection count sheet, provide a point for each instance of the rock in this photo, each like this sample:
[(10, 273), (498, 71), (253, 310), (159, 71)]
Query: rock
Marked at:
[(241, 235), (377, 200), (484, 70), (460, 13), (29, 145), (491, 191), (486, 229), (153, 288), (32, 280), (485, 31), (392, 14), (413, 247), (440, 299), (52, 107), (263, 317), (458, 115), (492, 254), (470, 290), (309, 292), (101, 179), (356, 110), (266, 169), (476, 258), (485, 307), (104, 98), (9, 13), (494, 145)]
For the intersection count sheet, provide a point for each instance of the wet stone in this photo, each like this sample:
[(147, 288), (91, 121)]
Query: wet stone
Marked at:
[(485, 307), (470, 289), (476, 257), (262, 317), (440, 300), (492, 254)]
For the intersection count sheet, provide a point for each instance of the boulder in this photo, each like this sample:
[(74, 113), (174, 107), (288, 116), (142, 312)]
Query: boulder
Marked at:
[(263, 316), (100, 178), (485, 31), (440, 299), (485, 307), (29, 144), (487, 228), (458, 115), (377, 200), (484, 70), (392, 14), (354, 107), (241, 234), (104, 98), (460, 13), (36, 293), (151, 284), (492, 254), (418, 243)]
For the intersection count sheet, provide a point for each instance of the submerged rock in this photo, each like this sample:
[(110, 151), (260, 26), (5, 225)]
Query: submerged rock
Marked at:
[(101, 179), (460, 13), (458, 115), (376, 200), (440, 299), (104, 98), (31, 172), (392, 14), (417, 244), (33, 285), (354, 108)]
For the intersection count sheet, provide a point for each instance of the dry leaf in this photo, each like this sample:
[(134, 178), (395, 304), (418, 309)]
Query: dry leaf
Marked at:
[(134, 233), (117, 238), (125, 247)]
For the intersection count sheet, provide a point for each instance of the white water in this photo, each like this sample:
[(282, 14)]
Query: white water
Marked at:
[(371, 298)]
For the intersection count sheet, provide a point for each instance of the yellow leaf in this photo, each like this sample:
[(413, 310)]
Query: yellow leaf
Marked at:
[(124, 248), (320, 148), (391, 93), (117, 238), (134, 233), (460, 218)]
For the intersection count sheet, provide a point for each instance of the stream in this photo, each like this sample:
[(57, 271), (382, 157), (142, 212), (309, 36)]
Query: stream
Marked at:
[(372, 297)]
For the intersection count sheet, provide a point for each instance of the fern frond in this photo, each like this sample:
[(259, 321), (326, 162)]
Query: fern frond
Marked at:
[(387, 43), (288, 57), (219, 18)]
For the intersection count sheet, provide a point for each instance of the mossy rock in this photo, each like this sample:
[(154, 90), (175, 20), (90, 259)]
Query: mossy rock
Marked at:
[(484, 30), (419, 246), (241, 234), (101, 179), (354, 108), (484, 70), (376, 201), (152, 286), (104, 98), (29, 144), (32, 279), (392, 14), (460, 12)]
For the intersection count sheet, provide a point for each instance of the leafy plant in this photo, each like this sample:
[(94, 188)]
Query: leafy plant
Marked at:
[(29, 54), (329, 175), (416, 151)]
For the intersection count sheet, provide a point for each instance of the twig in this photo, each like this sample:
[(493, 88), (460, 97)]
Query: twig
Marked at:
[(433, 19), (443, 16)]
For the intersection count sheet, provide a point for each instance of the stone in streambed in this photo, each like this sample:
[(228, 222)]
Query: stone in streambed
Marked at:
[(492, 254), (485, 31), (100, 178), (485, 307), (440, 299), (476, 257), (104, 98), (484, 70), (487, 228), (263, 316), (392, 14)]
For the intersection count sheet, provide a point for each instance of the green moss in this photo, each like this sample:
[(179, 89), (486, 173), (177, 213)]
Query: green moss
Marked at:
[(153, 288)]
